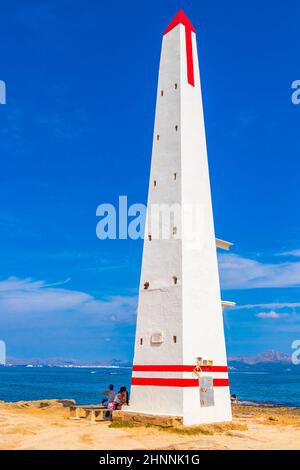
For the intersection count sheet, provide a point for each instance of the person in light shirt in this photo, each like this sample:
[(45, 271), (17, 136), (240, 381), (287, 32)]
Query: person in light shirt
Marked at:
[(109, 395)]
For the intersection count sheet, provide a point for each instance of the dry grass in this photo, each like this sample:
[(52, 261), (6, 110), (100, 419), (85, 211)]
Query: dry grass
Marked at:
[(119, 423)]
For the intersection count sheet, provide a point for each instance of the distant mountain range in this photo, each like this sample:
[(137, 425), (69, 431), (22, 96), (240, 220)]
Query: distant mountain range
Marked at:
[(268, 357), (271, 356), (62, 362)]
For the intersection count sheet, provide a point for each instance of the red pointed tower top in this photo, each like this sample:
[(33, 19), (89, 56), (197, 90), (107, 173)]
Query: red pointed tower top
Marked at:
[(180, 18)]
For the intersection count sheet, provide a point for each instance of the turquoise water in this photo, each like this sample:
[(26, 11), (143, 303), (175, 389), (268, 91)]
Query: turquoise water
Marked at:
[(277, 385)]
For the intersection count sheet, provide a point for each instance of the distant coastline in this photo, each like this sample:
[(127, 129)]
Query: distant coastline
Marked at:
[(267, 357)]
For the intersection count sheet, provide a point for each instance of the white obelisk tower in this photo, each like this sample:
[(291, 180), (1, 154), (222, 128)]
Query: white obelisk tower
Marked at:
[(180, 365)]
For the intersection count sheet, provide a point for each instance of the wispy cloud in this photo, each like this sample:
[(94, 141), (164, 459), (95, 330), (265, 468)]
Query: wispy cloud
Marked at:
[(271, 315), (57, 124), (237, 272), (272, 305), (294, 253), (29, 298)]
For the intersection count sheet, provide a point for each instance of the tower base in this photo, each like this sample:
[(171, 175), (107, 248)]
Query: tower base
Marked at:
[(183, 404), (160, 420)]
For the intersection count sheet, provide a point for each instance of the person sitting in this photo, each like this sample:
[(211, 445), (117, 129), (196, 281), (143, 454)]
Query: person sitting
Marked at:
[(120, 399), (109, 395), (233, 398), (126, 395)]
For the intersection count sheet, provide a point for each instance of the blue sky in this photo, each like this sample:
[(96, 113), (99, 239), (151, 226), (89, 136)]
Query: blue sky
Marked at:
[(77, 131)]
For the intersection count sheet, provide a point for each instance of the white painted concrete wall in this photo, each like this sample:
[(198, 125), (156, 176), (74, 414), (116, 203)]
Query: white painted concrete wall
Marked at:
[(160, 307), (191, 309)]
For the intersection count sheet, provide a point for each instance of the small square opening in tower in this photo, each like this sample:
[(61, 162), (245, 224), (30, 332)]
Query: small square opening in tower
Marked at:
[(157, 137), (176, 128), (174, 230), (174, 280), (157, 338), (174, 176), (150, 237), (175, 86), (174, 339), (141, 341), (162, 93), (154, 183), (146, 285)]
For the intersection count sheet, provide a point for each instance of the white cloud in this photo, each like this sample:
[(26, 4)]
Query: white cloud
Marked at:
[(273, 305), (294, 253), (237, 272), (272, 315), (35, 298)]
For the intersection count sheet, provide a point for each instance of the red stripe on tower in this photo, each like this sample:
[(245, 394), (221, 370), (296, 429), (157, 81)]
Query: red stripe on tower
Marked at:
[(181, 18), (167, 382), (189, 57), (176, 368)]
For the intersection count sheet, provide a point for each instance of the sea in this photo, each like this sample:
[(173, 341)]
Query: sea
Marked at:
[(272, 385)]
